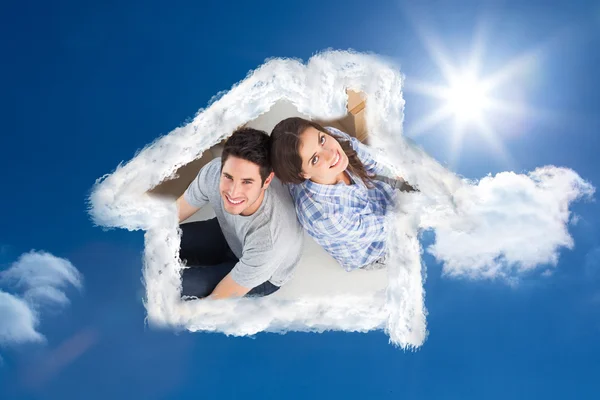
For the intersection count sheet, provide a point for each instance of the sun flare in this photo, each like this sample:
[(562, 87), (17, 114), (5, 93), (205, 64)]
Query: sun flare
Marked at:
[(468, 100)]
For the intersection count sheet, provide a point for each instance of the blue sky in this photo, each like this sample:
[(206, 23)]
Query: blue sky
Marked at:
[(86, 85)]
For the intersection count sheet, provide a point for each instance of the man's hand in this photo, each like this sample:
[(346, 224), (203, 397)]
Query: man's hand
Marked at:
[(228, 288), (185, 209)]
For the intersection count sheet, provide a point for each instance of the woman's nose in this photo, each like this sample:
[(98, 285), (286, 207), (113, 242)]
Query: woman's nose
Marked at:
[(330, 154)]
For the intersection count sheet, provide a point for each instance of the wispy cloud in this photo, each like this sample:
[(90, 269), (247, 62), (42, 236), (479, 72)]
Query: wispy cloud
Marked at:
[(19, 321), (42, 278), (37, 282)]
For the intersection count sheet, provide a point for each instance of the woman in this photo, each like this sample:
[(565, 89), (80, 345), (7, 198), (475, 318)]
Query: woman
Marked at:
[(340, 192)]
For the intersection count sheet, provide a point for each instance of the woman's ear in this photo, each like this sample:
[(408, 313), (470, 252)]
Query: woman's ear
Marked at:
[(304, 176)]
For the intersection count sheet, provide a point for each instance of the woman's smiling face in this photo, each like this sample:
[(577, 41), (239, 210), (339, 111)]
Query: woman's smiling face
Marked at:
[(323, 160)]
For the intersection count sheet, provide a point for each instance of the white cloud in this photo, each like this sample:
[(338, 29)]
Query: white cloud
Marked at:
[(499, 225), (575, 219), (508, 224), (547, 273), (19, 321), (40, 279)]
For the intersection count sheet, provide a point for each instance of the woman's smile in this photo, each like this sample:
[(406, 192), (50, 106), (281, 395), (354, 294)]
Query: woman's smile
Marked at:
[(336, 159)]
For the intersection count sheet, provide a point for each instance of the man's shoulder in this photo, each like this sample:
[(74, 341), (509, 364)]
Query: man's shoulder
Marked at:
[(214, 164), (281, 204), (280, 192), (210, 172)]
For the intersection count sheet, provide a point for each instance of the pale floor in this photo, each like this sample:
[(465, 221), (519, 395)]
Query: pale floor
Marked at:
[(318, 274)]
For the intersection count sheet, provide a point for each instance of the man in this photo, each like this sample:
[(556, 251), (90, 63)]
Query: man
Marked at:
[(253, 245)]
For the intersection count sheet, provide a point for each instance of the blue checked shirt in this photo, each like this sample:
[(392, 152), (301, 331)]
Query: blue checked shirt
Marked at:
[(347, 220)]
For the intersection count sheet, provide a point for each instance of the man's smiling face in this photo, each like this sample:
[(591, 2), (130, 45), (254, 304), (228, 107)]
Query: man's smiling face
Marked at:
[(241, 186)]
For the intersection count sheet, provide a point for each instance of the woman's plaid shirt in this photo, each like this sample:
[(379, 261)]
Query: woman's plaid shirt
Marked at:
[(347, 220)]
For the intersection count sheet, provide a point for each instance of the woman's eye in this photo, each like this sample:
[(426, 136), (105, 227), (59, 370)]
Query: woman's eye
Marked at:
[(322, 140), (315, 160)]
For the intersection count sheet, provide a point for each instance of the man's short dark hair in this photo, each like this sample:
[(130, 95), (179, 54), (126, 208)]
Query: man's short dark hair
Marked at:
[(250, 145)]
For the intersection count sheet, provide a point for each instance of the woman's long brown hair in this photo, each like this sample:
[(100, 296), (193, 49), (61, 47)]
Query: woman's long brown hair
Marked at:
[(285, 151)]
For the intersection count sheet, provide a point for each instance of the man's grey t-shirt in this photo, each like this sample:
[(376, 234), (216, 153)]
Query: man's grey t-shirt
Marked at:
[(267, 243)]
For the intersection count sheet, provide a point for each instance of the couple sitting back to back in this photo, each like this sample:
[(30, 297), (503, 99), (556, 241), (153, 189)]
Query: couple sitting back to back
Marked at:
[(264, 191)]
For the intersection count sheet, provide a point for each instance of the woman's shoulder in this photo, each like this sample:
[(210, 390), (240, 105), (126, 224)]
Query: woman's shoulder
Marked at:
[(313, 212), (322, 201), (301, 195), (338, 132), (316, 191)]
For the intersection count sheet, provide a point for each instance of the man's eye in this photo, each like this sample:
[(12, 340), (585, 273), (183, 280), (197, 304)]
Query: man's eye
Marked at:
[(315, 160), (322, 140)]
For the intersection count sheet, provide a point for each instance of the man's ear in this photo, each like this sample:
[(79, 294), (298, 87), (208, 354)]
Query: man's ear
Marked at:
[(268, 180)]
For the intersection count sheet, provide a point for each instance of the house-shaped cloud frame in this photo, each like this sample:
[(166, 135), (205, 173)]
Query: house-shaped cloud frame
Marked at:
[(317, 89)]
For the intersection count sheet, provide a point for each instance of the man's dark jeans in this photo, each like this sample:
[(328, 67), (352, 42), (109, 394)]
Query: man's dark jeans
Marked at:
[(206, 252)]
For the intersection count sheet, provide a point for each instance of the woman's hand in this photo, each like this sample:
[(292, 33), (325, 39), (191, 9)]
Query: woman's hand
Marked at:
[(403, 186)]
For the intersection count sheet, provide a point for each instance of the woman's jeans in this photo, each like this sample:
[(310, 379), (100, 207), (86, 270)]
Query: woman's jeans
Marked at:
[(209, 259)]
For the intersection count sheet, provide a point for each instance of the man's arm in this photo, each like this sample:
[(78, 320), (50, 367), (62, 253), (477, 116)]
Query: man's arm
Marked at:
[(196, 194), (185, 209), (228, 288)]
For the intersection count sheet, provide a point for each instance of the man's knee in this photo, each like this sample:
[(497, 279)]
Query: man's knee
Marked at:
[(202, 242), (194, 284)]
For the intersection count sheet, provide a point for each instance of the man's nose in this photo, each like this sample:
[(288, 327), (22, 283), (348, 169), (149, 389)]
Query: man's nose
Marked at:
[(233, 189)]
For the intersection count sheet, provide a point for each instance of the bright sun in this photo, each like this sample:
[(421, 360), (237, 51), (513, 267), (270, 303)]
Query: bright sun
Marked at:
[(468, 99)]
